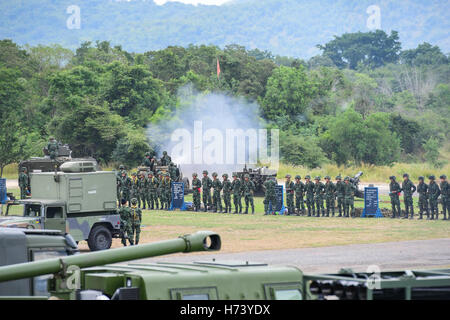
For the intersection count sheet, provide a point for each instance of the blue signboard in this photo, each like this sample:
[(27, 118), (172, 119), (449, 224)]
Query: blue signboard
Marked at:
[(3, 197), (279, 206), (371, 207), (177, 196)]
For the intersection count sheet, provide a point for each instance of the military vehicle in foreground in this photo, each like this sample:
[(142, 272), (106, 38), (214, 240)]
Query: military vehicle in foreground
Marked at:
[(258, 176), (86, 277), (78, 200)]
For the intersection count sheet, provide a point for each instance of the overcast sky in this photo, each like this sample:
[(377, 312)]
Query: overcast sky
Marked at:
[(194, 2)]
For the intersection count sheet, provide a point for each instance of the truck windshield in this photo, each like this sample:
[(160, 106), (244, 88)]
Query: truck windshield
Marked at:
[(32, 210)]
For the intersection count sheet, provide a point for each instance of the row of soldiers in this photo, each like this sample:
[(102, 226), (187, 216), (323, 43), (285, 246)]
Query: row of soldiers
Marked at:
[(316, 194), (428, 197)]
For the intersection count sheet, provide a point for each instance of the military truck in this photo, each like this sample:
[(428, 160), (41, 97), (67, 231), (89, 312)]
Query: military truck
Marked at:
[(85, 277), (258, 176), (24, 245), (77, 200)]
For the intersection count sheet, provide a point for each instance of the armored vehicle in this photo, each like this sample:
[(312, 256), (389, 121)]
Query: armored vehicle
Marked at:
[(77, 200), (85, 277), (258, 176)]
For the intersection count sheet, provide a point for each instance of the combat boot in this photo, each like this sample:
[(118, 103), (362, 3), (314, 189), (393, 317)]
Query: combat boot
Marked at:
[(253, 210), (240, 210), (246, 210), (235, 211), (420, 217)]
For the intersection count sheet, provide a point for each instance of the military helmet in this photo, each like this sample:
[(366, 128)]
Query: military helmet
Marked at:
[(225, 175), (147, 154), (133, 174), (298, 177), (205, 171), (51, 138), (431, 177), (165, 153), (246, 175), (214, 174), (338, 177), (121, 167), (234, 174), (443, 177), (24, 169), (392, 178), (288, 176), (317, 178), (308, 177), (327, 177), (421, 178), (405, 175), (194, 174), (347, 178), (134, 201), (124, 172)]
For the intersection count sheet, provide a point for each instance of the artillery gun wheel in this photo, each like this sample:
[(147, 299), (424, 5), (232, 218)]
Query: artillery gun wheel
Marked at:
[(186, 185), (100, 238)]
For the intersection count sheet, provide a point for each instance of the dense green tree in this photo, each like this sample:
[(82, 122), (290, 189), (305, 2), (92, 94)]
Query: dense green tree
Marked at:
[(424, 54), (131, 149)]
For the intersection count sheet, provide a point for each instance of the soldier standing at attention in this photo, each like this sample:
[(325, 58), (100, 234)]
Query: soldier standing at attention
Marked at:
[(290, 189), (236, 186), (340, 192), (349, 197), (52, 148), (422, 189), (173, 171), (165, 159), (118, 176), (309, 187), (319, 189), (125, 187), (136, 219), (299, 188), (134, 192), (227, 188), (433, 195), (248, 187), (142, 188), (408, 189), (152, 194), (167, 191), (217, 187), (269, 198), (330, 190), (206, 189), (23, 183), (445, 196), (196, 187), (160, 191), (394, 193), (125, 223)]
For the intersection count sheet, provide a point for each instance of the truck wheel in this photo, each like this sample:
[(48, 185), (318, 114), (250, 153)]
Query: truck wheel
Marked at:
[(100, 238)]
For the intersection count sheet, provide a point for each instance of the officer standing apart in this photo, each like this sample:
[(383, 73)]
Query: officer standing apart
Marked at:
[(289, 187), (340, 192), (125, 221), (309, 187), (408, 189), (136, 219), (196, 187), (445, 196), (433, 195), (206, 189), (227, 188), (217, 187), (236, 185), (330, 190), (422, 189), (299, 190), (23, 183), (269, 198), (394, 193), (248, 187)]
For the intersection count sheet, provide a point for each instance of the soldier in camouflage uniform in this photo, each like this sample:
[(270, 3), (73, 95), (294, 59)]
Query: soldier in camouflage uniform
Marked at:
[(290, 189), (394, 193), (248, 188), (227, 188), (52, 148), (125, 187), (196, 188), (173, 171), (159, 191), (118, 176), (206, 189), (330, 191), (433, 195), (349, 197), (147, 162), (152, 193), (309, 188), (422, 190), (270, 196), (136, 220), (134, 192), (299, 188), (340, 192), (217, 187), (125, 221), (236, 185), (165, 159), (23, 183), (142, 191), (445, 196), (167, 191), (319, 189), (408, 189)]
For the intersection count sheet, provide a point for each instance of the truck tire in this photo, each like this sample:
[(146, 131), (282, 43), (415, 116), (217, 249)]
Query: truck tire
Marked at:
[(100, 238)]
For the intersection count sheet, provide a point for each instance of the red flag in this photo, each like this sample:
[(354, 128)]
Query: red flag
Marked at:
[(218, 68)]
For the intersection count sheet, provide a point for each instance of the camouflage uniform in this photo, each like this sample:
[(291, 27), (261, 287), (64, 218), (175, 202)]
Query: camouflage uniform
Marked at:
[(226, 189), (196, 185), (125, 223), (152, 193), (217, 187), (289, 186), (445, 196), (159, 192), (269, 197), (167, 191), (136, 219), (330, 190), (52, 148), (394, 191), (433, 195), (165, 159), (134, 193), (125, 187), (319, 188), (173, 171), (422, 190), (206, 189), (23, 183), (299, 188), (309, 187), (147, 162), (340, 192), (118, 176), (142, 188), (236, 186), (408, 189), (248, 188), (349, 197)]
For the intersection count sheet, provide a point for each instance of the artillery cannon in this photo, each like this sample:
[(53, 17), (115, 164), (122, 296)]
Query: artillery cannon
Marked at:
[(258, 176), (355, 182)]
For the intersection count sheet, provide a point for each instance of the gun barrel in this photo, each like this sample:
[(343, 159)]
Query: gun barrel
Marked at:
[(199, 241)]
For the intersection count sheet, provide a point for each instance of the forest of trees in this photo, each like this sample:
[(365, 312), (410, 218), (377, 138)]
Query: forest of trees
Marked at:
[(363, 100)]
